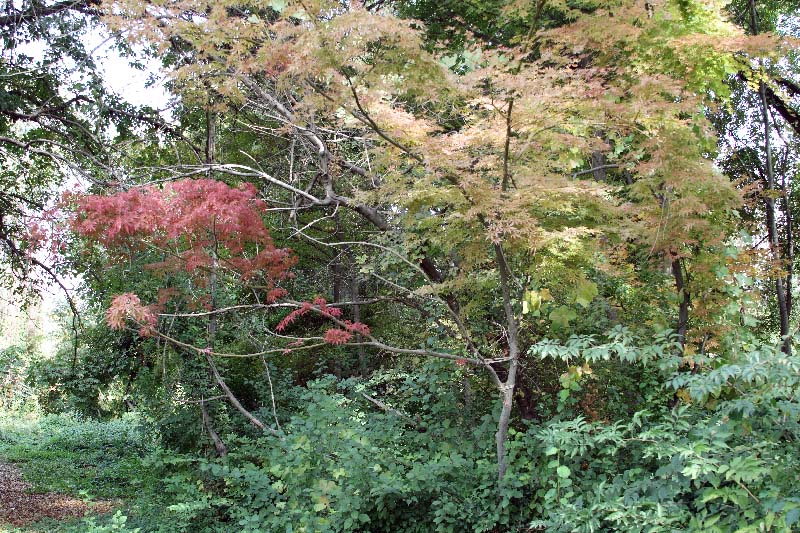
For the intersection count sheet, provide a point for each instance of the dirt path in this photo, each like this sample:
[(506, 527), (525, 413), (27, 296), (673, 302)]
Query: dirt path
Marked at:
[(18, 507)]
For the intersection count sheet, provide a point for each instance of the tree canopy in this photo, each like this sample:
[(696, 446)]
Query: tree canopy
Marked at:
[(558, 234)]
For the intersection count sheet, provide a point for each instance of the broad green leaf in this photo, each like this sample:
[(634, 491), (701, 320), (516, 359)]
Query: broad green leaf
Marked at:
[(532, 302), (585, 291), (792, 517), (562, 316)]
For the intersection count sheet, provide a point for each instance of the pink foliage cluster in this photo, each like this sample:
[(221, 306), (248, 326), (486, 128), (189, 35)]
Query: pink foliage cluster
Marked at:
[(46, 234), (343, 336), (321, 306), (199, 222), (294, 315), (332, 335), (337, 336), (195, 220), (128, 306), (191, 218), (356, 327), (37, 235)]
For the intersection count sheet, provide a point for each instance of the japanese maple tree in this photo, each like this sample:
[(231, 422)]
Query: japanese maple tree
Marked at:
[(517, 177)]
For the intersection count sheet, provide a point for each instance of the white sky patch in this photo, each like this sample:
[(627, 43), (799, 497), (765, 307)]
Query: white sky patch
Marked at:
[(138, 87)]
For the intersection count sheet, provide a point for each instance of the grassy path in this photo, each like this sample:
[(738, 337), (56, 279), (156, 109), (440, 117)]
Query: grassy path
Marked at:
[(57, 472), (20, 507)]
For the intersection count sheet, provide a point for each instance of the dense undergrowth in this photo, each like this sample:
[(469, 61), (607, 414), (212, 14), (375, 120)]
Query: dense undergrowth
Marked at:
[(722, 455)]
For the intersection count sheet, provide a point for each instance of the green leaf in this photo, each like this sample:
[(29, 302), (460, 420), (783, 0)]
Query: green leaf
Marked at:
[(792, 517), (585, 291), (563, 471), (532, 302), (562, 316)]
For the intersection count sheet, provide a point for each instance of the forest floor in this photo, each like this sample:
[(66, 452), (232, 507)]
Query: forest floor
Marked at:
[(65, 473), (21, 507)]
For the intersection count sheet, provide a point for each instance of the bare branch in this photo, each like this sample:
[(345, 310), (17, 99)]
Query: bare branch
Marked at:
[(235, 402), (416, 423)]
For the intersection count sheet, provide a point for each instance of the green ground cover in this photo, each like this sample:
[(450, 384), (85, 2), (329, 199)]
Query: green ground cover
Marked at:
[(88, 459)]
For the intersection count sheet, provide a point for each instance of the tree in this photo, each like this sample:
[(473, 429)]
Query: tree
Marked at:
[(758, 130), (58, 123), (480, 190)]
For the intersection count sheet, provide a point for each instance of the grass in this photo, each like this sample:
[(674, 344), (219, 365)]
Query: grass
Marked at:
[(88, 459), (64, 453)]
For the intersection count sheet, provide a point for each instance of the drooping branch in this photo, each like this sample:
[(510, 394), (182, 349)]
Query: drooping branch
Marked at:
[(236, 403), (775, 101), (788, 114), (76, 316), (593, 170), (790, 86), (219, 446), (379, 404), (271, 393), (14, 249)]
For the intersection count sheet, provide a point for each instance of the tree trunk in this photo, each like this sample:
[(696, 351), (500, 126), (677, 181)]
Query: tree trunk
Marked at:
[(599, 166), (769, 202), (683, 293), (787, 210), (355, 294), (507, 387), (772, 227)]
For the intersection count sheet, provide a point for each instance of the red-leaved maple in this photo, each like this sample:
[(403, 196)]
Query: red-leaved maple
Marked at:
[(128, 306), (197, 221), (202, 225)]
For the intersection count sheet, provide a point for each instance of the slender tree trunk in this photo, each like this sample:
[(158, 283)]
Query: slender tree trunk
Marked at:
[(467, 395), (211, 137), (789, 251), (789, 254), (211, 133), (337, 263), (769, 202), (211, 326), (599, 164), (772, 228), (336, 274), (683, 293), (355, 295), (507, 388), (507, 396)]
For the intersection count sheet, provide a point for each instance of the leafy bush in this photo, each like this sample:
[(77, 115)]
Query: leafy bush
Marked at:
[(724, 459), (343, 466), (14, 392)]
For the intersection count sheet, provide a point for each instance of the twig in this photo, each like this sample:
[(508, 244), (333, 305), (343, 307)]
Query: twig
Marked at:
[(392, 410), (271, 394), (591, 170), (235, 402)]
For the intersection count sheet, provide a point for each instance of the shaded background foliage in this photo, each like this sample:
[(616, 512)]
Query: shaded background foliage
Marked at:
[(612, 224)]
